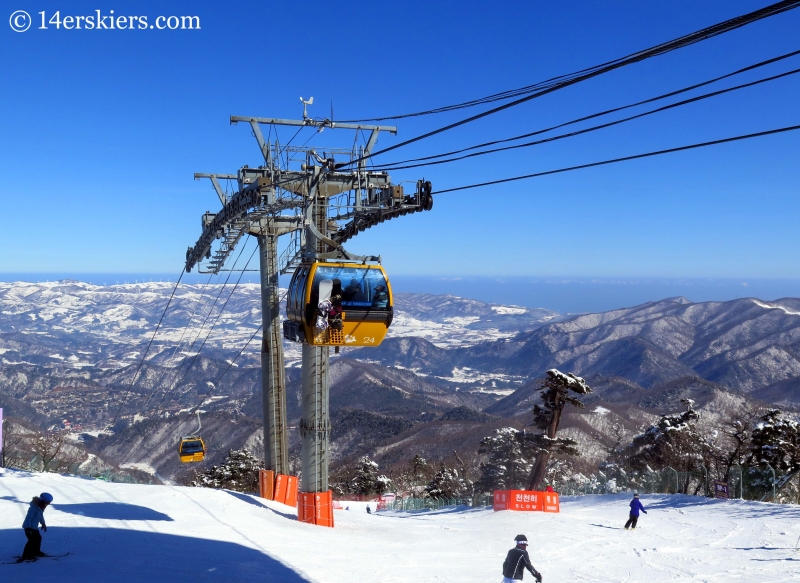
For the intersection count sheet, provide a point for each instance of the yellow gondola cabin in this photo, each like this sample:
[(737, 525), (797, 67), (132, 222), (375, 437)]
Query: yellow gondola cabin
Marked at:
[(191, 449), (338, 304)]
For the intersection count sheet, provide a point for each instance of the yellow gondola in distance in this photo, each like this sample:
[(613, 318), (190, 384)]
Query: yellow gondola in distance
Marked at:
[(338, 304), (192, 449)]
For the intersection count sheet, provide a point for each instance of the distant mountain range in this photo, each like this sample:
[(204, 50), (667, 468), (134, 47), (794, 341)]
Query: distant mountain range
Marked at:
[(451, 370), (746, 345)]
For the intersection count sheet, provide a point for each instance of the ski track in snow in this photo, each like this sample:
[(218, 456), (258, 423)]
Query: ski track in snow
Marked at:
[(129, 532), (770, 307)]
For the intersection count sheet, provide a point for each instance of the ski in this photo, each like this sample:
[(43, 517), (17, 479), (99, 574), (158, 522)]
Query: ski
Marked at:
[(18, 561)]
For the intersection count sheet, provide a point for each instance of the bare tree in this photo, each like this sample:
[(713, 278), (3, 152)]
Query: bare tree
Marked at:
[(555, 391), (52, 452), (12, 455)]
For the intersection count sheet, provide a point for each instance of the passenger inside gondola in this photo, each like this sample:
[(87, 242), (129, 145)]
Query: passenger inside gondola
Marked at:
[(380, 299), (360, 292), (354, 295), (335, 313)]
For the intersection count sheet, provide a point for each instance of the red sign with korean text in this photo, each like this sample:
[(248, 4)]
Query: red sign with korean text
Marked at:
[(550, 502), (500, 500), (526, 501)]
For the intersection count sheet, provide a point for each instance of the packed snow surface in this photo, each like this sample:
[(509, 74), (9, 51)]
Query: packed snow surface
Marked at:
[(123, 532)]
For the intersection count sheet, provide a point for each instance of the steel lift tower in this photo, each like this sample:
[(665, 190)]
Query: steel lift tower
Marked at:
[(299, 192)]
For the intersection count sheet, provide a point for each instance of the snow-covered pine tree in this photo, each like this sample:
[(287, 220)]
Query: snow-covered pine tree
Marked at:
[(238, 472), (419, 469), (509, 460), (446, 483), (776, 440), (674, 441), (366, 480), (555, 390)]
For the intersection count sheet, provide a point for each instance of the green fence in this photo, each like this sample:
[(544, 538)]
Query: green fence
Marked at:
[(747, 482), (405, 504)]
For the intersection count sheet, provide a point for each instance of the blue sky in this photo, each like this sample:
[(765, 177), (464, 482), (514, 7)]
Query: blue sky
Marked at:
[(102, 132)]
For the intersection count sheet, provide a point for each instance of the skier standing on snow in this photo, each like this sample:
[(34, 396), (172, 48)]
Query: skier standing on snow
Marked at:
[(35, 517), (517, 561), (636, 506)]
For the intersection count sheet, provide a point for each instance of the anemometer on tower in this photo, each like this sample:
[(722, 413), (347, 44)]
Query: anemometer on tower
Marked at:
[(335, 298)]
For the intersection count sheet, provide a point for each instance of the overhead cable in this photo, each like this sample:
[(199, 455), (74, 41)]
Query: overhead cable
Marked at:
[(567, 80), (595, 115), (176, 372), (597, 127), (149, 344), (170, 395), (177, 346), (200, 404), (759, 14), (230, 364), (624, 159)]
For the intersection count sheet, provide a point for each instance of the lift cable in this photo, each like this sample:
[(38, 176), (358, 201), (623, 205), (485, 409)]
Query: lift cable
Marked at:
[(711, 31), (168, 393), (186, 328), (593, 128), (624, 159), (214, 384), (198, 303), (574, 78), (197, 354), (192, 363), (599, 114), (149, 344), (200, 404)]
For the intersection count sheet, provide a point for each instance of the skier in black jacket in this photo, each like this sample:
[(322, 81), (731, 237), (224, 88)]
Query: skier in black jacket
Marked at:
[(517, 561)]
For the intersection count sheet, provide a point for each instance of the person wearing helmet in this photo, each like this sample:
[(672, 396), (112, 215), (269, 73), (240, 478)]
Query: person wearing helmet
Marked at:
[(636, 506), (33, 519), (517, 561)]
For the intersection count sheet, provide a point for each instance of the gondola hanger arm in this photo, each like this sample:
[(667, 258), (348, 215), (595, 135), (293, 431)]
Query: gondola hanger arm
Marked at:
[(339, 251)]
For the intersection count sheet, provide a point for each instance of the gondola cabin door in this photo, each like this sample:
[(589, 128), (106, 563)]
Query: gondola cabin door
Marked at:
[(338, 304)]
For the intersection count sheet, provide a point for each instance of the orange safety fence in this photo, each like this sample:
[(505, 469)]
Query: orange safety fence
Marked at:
[(316, 508), (280, 488), (266, 484), (291, 491), (305, 507)]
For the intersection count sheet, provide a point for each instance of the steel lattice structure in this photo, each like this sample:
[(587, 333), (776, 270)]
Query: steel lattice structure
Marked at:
[(319, 208)]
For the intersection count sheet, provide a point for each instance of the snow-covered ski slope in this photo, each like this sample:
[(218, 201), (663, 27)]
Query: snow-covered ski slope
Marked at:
[(119, 533)]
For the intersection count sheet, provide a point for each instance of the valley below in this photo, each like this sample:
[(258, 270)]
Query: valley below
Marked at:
[(451, 371)]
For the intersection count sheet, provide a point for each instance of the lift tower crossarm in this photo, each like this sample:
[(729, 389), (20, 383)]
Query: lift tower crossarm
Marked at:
[(326, 123), (215, 183)]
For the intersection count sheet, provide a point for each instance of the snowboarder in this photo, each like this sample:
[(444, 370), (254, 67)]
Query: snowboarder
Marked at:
[(35, 517), (636, 506), (517, 561), (368, 510)]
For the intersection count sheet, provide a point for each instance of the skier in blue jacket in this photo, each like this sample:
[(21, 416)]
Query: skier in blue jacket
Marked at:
[(33, 519), (636, 506)]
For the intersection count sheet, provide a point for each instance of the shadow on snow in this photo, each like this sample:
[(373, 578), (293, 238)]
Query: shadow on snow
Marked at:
[(100, 554), (112, 511), (256, 502)]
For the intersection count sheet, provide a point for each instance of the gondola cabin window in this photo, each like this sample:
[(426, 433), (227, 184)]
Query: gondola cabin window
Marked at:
[(360, 288), (191, 447)]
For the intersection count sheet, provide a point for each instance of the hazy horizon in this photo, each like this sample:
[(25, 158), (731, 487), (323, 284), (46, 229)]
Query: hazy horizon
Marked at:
[(561, 294)]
